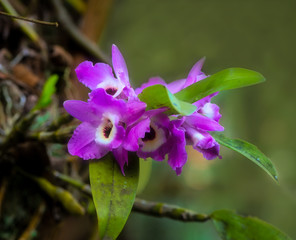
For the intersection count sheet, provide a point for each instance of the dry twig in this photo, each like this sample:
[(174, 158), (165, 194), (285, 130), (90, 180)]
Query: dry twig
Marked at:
[(55, 24)]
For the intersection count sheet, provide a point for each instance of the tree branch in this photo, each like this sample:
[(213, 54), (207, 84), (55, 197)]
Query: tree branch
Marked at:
[(146, 207), (158, 209)]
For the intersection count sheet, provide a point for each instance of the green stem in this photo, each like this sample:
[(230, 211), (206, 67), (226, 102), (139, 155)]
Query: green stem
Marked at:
[(146, 207)]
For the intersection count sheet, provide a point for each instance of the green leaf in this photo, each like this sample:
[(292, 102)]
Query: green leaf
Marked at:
[(226, 79), (250, 151), (48, 90), (158, 96), (232, 226), (113, 193)]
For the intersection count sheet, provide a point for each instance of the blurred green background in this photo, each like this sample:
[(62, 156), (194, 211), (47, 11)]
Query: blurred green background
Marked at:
[(165, 38)]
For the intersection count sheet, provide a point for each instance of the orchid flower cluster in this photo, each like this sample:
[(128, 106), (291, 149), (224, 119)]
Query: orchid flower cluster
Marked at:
[(115, 120)]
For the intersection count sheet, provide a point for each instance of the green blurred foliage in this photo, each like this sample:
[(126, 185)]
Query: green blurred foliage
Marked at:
[(48, 90), (233, 226), (165, 38)]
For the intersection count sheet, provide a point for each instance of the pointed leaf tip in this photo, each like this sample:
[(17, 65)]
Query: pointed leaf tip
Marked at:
[(230, 78), (250, 151)]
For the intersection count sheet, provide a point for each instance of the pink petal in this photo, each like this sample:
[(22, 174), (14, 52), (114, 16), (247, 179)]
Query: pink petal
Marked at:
[(119, 137), (91, 75), (135, 109), (177, 156), (135, 133), (210, 153), (102, 102), (121, 156), (80, 110), (199, 138), (200, 103), (203, 142), (119, 66), (152, 81), (176, 86), (197, 120), (194, 72), (82, 143), (211, 111)]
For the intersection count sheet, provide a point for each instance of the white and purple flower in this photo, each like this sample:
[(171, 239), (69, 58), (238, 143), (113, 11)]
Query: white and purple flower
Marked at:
[(103, 128), (100, 75)]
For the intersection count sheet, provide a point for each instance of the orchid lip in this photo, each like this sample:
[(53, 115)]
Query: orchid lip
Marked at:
[(149, 136), (154, 139), (111, 90), (106, 131), (111, 87)]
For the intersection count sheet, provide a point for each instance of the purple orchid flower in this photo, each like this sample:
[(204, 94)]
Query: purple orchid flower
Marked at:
[(170, 137), (114, 119), (195, 75), (159, 137), (100, 75), (197, 127), (103, 128), (153, 143)]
